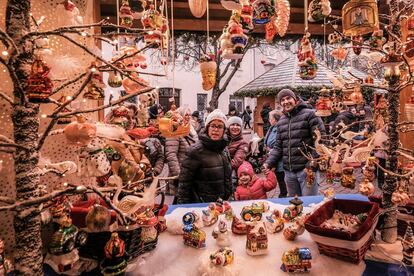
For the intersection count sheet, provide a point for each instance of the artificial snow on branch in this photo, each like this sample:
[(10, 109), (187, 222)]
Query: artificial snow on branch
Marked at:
[(7, 98), (69, 82)]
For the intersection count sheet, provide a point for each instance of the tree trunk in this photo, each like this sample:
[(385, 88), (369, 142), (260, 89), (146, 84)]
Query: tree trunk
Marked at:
[(25, 117), (215, 96), (28, 249), (389, 232)]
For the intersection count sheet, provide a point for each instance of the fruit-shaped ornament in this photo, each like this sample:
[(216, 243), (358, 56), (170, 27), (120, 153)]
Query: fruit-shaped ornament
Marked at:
[(198, 7), (208, 68), (125, 14), (115, 262), (39, 86), (282, 16), (357, 44), (307, 59), (360, 17), (324, 103), (392, 63), (319, 10), (310, 177), (95, 89), (114, 80)]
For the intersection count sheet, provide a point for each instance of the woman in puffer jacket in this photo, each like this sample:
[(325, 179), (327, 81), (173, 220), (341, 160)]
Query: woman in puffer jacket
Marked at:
[(238, 148), (206, 172), (251, 186), (176, 148)]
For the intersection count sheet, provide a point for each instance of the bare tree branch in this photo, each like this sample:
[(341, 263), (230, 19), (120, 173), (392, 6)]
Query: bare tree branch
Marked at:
[(7, 98), (13, 145), (16, 81), (6, 139), (226, 69), (7, 200), (60, 108), (120, 100), (69, 82), (7, 40)]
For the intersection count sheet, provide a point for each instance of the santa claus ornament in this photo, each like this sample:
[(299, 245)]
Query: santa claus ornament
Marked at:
[(39, 86), (307, 59)]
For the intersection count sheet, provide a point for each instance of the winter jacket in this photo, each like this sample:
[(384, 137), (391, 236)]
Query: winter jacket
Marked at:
[(246, 115), (295, 129), (155, 153), (206, 172), (175, 150), (269, 141), (265, 117), (257, 187), (200, 125), (238, 149), (347, 118)]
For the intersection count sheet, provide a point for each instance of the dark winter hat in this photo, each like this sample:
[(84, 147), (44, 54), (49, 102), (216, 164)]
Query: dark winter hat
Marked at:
[(285, 92), (196, 114)]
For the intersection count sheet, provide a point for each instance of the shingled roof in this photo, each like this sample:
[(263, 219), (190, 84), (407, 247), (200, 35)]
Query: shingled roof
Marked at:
[(286, 75)]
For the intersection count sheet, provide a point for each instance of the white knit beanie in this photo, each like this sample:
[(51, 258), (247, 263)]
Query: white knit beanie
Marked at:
[(235, 120), (216, 115)]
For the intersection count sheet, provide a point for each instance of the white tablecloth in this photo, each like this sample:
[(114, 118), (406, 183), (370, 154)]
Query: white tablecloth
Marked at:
[(173, 258)]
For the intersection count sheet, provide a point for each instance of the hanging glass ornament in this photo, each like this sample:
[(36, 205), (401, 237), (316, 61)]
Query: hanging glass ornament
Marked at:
[(339, 53), (198, 7), (208, 68), (263, 11), (392, 63), (96, 86), (356, 44), (114, 80), (39, 86), (356, 97), (360, 17), (319, 10), (125, 14), (324, 103), (307, 59), (282, 16)]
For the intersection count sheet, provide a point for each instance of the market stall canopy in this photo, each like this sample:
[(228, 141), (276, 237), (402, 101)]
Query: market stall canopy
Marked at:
[(219, 16), (286, 75)]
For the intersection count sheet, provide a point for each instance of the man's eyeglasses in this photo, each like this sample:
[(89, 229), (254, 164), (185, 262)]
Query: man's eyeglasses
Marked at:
[(219, 127)]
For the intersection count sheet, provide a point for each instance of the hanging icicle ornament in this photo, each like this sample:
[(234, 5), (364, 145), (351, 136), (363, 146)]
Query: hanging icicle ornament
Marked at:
[(125, 14), (319, 10), (39, 86), (283, 16), (198, 7), (263, 11), (307, 59), (95, 90), (208, 68), (360, 17)]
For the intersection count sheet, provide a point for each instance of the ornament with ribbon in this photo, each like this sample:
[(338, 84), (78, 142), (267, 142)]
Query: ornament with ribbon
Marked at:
[(307, 59), (95, 89), (319, 10), (39, 85)]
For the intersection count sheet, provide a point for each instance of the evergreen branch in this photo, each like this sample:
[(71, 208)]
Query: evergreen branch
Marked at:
[(7, 98), (59, 109), (69, 82), (120, 100)]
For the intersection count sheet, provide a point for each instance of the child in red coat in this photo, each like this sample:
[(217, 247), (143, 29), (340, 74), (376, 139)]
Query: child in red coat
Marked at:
[(251, 186)]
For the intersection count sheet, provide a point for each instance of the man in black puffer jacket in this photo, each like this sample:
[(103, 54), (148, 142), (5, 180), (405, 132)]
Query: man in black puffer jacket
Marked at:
[(206, 170), (295, 128)]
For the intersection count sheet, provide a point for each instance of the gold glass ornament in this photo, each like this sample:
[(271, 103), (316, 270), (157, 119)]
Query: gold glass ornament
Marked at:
[(360, 17)]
